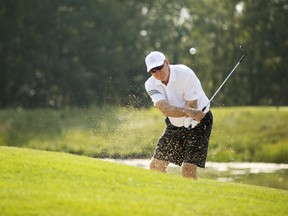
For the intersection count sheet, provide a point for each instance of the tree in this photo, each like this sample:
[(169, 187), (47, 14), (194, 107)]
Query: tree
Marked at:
[(263, 25), (79, 53)]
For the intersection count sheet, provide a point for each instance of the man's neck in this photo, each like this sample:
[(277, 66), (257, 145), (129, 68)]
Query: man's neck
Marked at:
[(165, 82)]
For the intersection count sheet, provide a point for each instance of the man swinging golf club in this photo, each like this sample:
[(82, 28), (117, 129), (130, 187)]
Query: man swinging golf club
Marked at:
[(177, 92)]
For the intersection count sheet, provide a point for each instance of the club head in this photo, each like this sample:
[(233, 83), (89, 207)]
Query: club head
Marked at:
[(242, 48)]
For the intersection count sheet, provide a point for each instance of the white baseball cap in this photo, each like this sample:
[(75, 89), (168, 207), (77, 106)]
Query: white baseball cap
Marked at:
[(154, 59)]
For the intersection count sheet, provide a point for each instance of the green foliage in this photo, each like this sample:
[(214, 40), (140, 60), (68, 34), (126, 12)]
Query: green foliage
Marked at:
[(43, 183), (248, 134), (255, 134), (99, 132), (84, 53)]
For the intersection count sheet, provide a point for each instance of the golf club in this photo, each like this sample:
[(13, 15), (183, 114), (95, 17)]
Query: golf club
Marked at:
[(240, 60), (191, 123)]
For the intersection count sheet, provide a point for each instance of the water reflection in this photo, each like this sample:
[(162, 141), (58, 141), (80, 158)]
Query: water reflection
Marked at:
[(262, 174)]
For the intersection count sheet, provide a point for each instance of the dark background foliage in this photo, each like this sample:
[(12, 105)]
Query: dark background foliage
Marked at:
[(91, 52)]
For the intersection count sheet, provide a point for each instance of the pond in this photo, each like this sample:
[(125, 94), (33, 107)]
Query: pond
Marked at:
[(262, 174)]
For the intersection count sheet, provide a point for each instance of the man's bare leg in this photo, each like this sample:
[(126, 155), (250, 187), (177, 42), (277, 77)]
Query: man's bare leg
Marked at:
[(158, 165), (189, 170)]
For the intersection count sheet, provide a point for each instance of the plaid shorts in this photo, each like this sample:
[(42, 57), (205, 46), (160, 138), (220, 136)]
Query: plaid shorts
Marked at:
[(178, 144)]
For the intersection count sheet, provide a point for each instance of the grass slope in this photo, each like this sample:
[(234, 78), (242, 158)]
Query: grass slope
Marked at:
[(47, 183)]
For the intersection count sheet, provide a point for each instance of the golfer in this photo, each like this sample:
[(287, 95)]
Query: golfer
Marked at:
[(177, 92)]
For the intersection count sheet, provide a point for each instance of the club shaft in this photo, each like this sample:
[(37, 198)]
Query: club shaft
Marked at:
[(224, 82)]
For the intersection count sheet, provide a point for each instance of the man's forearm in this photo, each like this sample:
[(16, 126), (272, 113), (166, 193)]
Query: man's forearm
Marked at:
[(173, 111)]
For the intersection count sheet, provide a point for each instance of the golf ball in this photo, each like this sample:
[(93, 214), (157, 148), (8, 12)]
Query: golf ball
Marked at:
[(192, 51)]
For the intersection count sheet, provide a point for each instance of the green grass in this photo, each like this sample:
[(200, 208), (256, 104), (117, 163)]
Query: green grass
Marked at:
[(255, 134), (48, 183)]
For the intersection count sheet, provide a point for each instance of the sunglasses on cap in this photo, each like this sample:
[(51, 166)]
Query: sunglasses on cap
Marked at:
[(153, 70)]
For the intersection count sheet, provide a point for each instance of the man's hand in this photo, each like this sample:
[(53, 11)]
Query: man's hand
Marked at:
[(195, 114), (190, 123)]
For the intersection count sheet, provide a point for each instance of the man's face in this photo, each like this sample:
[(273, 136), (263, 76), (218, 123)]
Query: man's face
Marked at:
[(161, 73)]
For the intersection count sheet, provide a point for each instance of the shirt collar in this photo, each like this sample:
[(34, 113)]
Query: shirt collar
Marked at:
[(172, 77)]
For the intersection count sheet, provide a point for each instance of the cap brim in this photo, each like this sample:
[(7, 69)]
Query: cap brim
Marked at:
[(156, 64)]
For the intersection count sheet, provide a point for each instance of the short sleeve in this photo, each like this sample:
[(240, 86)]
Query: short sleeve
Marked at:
[(156, 93)]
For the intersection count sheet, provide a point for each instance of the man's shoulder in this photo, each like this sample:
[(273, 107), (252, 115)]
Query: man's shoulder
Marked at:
[(151, 81), (180, 66), (181, 69)]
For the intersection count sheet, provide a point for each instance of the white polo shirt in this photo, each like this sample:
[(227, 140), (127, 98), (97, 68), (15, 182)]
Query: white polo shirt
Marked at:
[(183, 86)]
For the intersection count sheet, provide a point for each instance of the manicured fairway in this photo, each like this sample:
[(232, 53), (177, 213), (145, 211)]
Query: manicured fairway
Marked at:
[(47, 183)]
